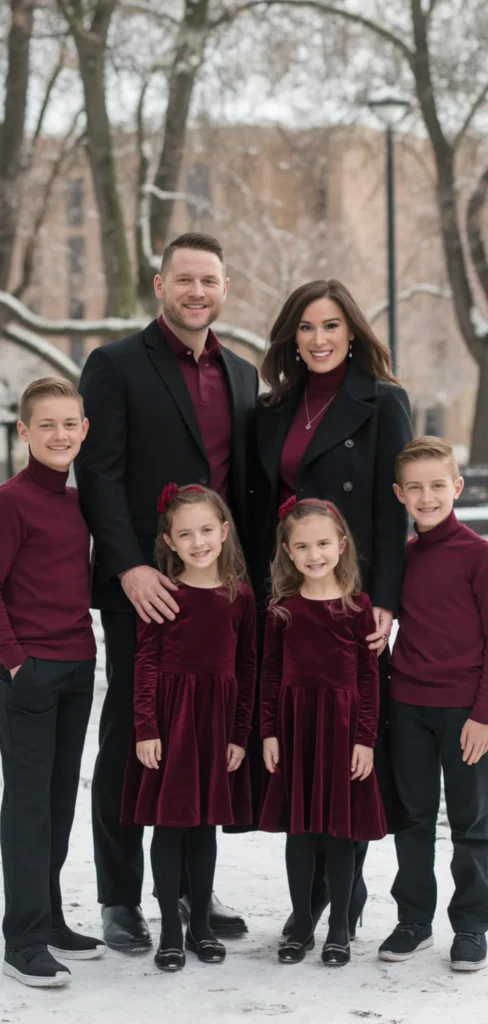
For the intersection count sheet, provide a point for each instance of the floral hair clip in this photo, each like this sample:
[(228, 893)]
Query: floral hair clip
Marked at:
[(287, 507), (168, 495)]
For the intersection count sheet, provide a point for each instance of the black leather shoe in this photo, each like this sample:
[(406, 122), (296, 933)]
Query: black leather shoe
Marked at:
[(223, 920), (317, 912), (209, 951), (125, 929), (169, 960), (334, 955), (294, 952)]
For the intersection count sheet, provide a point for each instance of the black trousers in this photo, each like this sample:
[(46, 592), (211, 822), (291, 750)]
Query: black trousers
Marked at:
[(426, 740), (119, 858), (44, 715)]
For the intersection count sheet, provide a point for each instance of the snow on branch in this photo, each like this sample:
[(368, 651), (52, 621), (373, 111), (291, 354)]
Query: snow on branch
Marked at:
[(45, 349), (108, 327), (479, 323), (416, 289)]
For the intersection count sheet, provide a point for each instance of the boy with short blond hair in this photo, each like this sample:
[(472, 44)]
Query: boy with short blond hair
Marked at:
[(439, 709), (47, 662)]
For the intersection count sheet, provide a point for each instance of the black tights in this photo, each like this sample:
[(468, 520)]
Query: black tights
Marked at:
[(300, 867), (201, 855)]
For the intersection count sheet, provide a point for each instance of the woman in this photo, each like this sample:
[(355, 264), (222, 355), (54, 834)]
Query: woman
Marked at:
[(329, 427)]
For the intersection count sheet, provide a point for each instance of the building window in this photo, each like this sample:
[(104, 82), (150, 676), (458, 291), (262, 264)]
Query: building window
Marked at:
[(77, 349), (76, 309), (434, 421), (76, 251), (199, 185), (75, 203)]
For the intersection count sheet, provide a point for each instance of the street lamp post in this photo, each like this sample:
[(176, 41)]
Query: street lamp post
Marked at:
[(390, 110)]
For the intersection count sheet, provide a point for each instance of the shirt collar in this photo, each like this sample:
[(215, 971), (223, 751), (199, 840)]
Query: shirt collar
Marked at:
[(50, 479), (440, 532), (212, 344)]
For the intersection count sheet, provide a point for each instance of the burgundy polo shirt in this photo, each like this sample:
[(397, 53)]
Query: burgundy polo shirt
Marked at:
[(209, 393)]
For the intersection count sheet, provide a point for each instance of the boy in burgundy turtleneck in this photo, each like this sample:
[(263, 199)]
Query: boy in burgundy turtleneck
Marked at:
[(439, 709), (47, 663)]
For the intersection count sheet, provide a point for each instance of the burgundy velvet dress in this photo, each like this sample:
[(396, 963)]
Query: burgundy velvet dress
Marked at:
[(194, 689), (319, 697)]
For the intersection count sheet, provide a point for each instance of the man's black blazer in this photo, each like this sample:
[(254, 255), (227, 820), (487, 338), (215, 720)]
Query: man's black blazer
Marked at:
[(144, 433)]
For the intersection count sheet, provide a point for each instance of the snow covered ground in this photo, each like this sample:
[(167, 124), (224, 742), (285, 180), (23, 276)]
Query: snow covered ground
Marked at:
[(251, 985)]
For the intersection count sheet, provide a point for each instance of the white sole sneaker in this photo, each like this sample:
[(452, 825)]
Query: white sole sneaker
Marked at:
[(78, 954), (385, 954), (59, 979), (467, 965)]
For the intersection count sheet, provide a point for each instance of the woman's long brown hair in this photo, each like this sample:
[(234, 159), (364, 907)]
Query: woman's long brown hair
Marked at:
[(281, 370), (286, 580), (231, 564)]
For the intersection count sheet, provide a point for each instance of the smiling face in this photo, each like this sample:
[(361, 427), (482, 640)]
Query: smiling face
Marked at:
[(55, 431), (323, 335), (315, 546), (428, 490), (193, 289), (197, 535)]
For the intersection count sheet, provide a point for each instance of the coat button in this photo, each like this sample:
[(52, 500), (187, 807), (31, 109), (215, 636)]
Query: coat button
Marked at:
[(347, 486), (203, 480), (349, 443)]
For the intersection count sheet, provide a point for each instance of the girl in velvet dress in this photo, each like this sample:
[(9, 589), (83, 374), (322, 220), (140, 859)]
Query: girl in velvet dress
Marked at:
[(193, 698), (319, 713)]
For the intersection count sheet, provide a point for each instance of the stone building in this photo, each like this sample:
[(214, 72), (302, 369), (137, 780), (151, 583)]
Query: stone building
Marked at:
[(289, 206)]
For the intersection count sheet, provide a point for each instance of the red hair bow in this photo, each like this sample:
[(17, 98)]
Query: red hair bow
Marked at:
[(168, 494), (287, 507)]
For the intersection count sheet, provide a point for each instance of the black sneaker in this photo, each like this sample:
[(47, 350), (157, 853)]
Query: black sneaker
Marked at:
[(71, 946), (35, 966), (405, 942), (468, 951)]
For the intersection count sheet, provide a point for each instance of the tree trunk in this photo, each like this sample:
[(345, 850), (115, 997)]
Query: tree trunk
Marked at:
[(479, 434), (121, 292), (12, 129), (187, 61)]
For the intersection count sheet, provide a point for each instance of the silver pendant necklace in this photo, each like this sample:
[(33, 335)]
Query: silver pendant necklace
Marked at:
[(309, 422)]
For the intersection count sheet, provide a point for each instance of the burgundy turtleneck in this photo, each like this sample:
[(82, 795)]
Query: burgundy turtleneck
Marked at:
[(44, 570), (440, 658), (320, 391)]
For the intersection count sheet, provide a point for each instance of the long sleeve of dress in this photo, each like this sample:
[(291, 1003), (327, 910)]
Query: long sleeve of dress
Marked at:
[(368, 678), (245, 671), (146, 675), (271, 674)]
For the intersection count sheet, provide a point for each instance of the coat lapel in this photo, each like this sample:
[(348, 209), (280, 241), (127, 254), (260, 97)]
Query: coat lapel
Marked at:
[(166, 364), (351, 407)]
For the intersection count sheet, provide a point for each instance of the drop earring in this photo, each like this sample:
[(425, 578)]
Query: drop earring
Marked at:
[(350, 350), (298, 355)]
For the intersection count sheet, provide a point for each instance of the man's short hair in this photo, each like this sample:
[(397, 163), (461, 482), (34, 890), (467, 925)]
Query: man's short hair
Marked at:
[(426, 447), (46, 387), (192, 240)]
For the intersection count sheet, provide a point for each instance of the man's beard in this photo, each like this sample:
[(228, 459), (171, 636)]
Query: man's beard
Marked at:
[(174, 316)]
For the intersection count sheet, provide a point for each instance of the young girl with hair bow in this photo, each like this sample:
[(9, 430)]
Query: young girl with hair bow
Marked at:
[(319, 715), (193, 698)]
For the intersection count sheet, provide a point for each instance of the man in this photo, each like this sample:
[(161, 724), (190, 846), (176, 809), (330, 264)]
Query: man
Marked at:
[(165, 404)]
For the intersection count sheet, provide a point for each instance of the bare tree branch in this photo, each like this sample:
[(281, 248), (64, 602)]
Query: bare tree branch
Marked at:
[(474, 229), (478, 103), (323, 8), (409, 293), (47, 95), (30, 246), (12, 129)]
